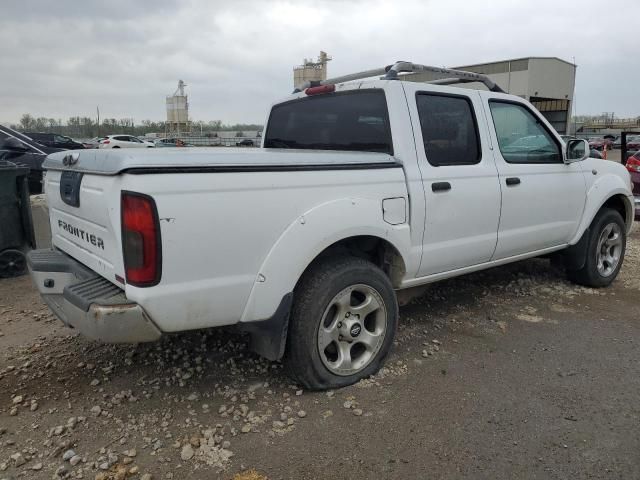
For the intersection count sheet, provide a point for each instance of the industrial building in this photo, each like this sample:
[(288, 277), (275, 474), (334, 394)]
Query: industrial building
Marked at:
[(178, 111), (310, 70), (547, 82)]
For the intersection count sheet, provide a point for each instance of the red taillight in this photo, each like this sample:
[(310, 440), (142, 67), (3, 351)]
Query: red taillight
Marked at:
[(320, 89), (141, 245), (633, 164), (105, 142)]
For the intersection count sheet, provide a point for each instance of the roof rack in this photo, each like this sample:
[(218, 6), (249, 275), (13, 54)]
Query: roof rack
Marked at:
[(391, 72)]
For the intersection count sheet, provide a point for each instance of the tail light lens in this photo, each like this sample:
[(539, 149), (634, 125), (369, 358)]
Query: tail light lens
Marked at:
[(105, 142), (141, 244), (320, 89), (633, 164)]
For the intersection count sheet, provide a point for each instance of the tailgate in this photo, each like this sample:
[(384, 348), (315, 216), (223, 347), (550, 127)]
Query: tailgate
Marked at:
[(84, 212)]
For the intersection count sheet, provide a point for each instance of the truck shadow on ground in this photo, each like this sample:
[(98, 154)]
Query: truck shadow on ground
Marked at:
[(221, 358)]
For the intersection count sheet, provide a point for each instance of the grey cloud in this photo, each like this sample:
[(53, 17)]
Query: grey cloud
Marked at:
[(66, 57)]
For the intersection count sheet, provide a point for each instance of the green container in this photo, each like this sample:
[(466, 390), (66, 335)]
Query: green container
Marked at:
[(16, 225)]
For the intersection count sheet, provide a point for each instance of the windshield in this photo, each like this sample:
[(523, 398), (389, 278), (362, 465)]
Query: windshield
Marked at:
[(354, 120)]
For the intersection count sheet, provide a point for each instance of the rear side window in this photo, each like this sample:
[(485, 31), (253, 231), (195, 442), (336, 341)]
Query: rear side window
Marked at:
[(449, 129), (121, 138), (355, 121)]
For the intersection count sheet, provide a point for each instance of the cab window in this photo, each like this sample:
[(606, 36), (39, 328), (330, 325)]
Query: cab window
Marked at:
[(353, 120), (522, 137), (449, 129)]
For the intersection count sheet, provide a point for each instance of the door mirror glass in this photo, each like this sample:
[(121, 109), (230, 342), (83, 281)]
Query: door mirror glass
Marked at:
[(577, 150)]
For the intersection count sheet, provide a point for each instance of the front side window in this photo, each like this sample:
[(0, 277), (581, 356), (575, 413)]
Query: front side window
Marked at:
[(122, 138), (449, 130), (353, 121), (522, 138)]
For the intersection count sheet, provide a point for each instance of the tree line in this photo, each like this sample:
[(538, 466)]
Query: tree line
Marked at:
[(87, 127)]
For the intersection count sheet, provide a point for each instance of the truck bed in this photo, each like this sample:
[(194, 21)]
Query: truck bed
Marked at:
[(221, 213), (115, 161)]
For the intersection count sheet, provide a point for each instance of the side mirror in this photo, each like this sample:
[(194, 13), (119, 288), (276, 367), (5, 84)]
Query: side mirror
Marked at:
[(577, 150), (14, 145)]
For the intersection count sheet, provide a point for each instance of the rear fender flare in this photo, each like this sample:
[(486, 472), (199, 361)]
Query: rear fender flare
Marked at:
[(308, 236)]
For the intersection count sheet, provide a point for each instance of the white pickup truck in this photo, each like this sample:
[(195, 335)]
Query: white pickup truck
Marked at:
[(362, 188)]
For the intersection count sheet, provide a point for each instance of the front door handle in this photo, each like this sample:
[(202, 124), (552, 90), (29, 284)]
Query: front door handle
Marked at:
[(511, 181), (440, 186)]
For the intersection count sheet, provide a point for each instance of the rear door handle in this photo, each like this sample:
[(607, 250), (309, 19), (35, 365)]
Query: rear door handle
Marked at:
[(440, 186), (513, 181)]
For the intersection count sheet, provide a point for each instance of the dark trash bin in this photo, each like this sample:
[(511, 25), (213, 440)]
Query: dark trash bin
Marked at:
[(16, 225)]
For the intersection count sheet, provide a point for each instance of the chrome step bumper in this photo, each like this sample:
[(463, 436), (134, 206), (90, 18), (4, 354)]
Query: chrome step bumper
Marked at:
[(88, 302)]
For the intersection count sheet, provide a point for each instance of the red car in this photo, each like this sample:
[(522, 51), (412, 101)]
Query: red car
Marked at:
[(633, 165), (633, 144), (596, 143)]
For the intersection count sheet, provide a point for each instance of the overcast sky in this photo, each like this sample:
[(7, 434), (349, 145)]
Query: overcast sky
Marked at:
[(62, 58)]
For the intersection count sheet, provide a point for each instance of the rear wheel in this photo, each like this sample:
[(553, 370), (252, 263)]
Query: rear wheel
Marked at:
[(605, 250), (343, 322)]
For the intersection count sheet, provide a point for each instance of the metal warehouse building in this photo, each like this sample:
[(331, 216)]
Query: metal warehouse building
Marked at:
[(547, 82)]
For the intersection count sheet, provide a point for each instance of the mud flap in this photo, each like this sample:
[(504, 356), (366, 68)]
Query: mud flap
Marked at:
[(269, 337), (576, 255)]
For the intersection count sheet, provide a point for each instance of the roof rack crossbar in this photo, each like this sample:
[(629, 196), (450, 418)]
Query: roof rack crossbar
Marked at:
[(390, 72)]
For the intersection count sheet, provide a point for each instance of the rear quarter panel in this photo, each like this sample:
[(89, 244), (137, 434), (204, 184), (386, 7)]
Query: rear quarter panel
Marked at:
[(219, 229)]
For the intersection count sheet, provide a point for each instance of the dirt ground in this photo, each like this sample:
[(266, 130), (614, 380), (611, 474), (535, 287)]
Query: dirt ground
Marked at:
[(504, 374)]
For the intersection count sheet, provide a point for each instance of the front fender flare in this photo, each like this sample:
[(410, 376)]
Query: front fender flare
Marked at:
[(602, 190)]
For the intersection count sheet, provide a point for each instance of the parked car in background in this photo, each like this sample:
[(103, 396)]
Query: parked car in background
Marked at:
[(596, 143), (633, 165), (124, 141), (172, 142), (54, 140), (247, 142), (617, 142), (93, 143), (593, 153), (633, 143), (18, 148), (609, 141)]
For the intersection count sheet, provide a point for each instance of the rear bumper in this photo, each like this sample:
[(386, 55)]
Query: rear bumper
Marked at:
[(87, 302)]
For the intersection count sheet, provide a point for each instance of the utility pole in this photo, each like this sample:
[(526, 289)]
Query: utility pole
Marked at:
[(98, 111), (573, 103)]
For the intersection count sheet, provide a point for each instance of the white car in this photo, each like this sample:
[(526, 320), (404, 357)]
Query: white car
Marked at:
[(124, 141), (361, 189)]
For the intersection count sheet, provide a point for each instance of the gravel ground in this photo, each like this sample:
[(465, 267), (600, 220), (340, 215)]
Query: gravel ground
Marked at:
[(508, 373)]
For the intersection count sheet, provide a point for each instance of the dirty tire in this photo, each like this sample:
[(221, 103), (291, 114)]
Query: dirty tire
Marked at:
[(13, 263), (313, 298), (590, 275)]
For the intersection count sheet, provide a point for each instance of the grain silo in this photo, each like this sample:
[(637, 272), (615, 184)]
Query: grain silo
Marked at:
[(178, 111), (310, 70)]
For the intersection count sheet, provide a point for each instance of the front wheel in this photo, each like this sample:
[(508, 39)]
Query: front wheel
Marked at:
[(342, 325), (605, 250)]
